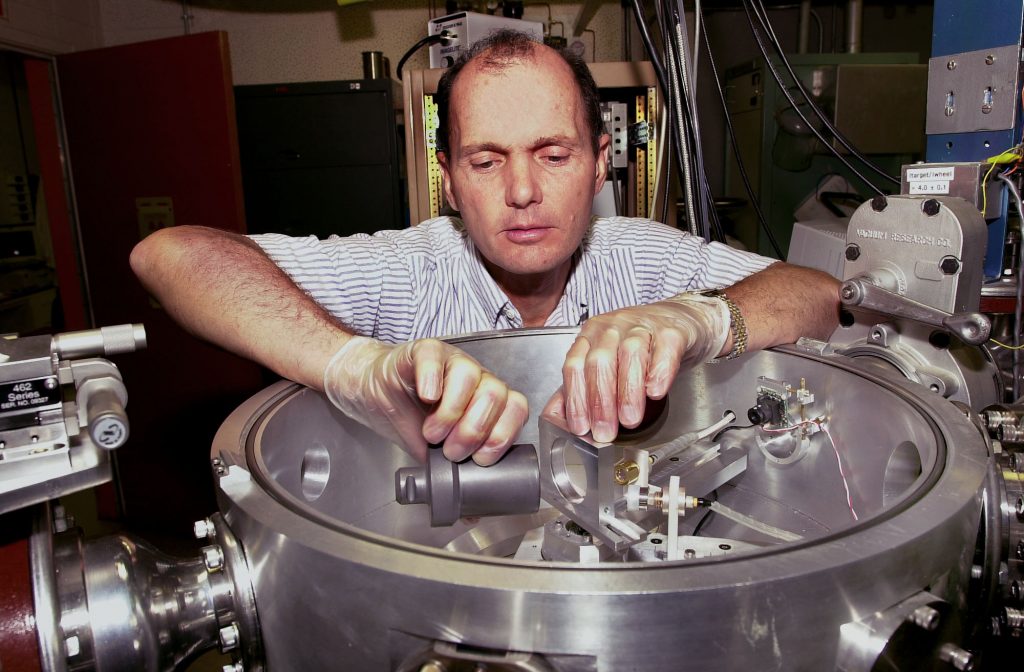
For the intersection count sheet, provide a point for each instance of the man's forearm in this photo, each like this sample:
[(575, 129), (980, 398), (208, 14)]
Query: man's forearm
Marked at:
[(223, 288), (784, 302)]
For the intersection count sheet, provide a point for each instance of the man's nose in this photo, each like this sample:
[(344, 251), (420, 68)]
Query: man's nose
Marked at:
[(522, 188)]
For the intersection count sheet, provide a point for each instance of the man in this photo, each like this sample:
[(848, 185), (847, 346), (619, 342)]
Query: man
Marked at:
[(523, 154)]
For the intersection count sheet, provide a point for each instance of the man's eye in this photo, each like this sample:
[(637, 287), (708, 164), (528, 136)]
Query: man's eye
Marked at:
[(556, 159), (483, 165)]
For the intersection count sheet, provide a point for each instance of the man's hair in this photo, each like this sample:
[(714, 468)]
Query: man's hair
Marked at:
[(502, 49)]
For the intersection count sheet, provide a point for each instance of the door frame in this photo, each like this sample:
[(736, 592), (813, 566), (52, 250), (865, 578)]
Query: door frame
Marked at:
[(55, 165)]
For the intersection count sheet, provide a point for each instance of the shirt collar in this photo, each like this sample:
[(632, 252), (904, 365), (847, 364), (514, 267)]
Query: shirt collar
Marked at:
[(499, 310)]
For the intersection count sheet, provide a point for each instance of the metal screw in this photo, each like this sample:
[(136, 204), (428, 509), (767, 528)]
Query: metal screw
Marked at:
[(990, 59), (951, 65), (213, 557), (203, 529), (931, 207), (926, 617), (878, 203), (852, 252), (957, 657), (228, 637), (949, 265), (50, 383)]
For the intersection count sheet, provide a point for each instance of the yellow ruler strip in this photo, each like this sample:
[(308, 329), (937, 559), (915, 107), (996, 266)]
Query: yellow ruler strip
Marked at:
[(434, 190), (641, 161)]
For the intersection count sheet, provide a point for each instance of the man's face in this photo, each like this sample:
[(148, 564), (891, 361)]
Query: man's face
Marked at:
[(521, 167)]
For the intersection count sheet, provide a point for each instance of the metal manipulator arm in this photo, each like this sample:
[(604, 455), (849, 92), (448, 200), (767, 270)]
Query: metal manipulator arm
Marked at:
[(971, 328)]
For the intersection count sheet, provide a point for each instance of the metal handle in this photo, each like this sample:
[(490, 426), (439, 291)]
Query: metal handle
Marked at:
[(105, 341), (971, 328)]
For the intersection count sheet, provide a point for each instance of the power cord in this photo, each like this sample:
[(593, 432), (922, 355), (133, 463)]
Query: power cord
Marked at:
[(444, 37)]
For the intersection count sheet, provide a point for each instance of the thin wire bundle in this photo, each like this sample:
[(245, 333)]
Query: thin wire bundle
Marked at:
[(677, 81)]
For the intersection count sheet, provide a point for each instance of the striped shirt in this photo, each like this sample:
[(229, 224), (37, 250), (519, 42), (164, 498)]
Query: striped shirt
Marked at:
[(429, 280)]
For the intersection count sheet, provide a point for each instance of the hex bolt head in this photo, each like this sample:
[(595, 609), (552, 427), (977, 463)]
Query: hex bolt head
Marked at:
[(228, 637), (879, 203), (931, 207), (204, 529), (852, 252), (949, 265), (213, 557), (926, 617)]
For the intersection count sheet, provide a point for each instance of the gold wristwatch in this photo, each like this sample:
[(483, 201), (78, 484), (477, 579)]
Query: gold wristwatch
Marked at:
[(737, 325)]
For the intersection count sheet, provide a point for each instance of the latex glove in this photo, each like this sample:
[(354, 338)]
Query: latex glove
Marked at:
[(426, 392), (623, 357)]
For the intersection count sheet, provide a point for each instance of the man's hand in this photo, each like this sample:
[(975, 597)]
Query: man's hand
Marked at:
[(426, 392), (623, 357)]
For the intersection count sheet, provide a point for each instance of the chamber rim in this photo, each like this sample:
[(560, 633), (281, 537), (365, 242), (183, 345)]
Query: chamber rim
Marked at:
[(825, 552)]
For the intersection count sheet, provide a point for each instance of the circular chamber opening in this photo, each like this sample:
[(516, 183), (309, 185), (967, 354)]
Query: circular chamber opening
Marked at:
[(567, 472), (846, 319), (315, 471)]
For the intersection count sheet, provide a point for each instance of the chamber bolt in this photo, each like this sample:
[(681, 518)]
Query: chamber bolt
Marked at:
[(432, 666), (957, 657), (879, 203), (852, 252), (925, 617), (931, 207), (213, 557), (949, 265), (204, 529), (229, 637)]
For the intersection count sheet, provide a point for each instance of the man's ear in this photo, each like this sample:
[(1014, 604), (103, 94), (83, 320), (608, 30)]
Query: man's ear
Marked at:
[(601, 165), (446, 181)]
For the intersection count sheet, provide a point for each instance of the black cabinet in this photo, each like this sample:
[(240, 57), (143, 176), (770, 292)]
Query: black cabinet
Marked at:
[(320, 157)]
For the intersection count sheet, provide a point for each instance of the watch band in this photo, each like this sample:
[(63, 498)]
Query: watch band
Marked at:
[(737, 325)]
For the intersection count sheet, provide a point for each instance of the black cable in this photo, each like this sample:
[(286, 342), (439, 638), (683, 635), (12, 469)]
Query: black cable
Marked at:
[(796, 108), (767, 26), (659, 72), (441, 37), (739, 158), (704, 519)]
